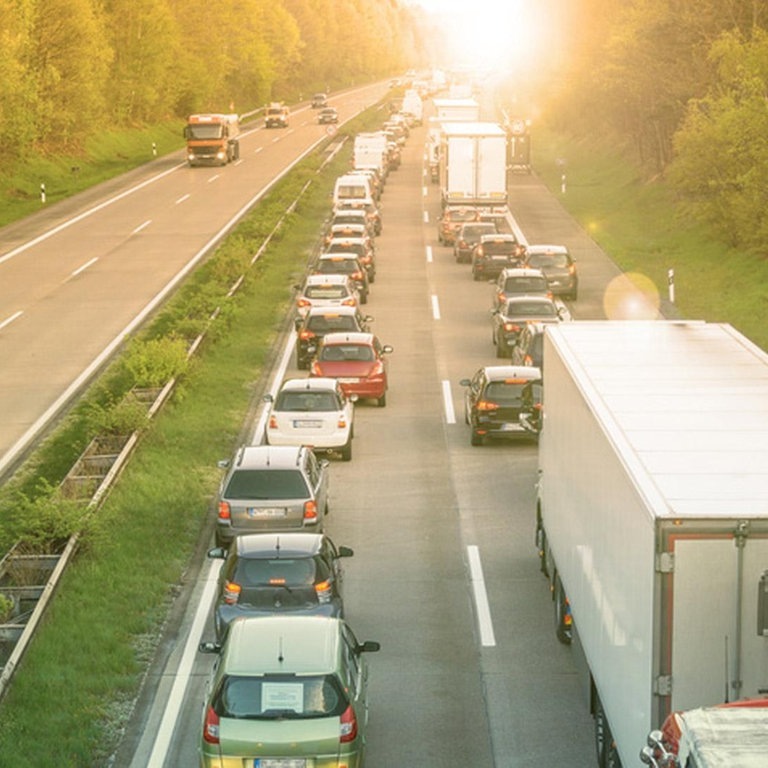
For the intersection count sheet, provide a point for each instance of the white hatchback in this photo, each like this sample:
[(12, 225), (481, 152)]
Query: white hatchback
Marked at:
[(313, 412), (328, 291)]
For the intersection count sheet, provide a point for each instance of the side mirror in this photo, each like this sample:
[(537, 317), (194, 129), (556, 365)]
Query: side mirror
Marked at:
[(268, 398), (346, 551), (209, 647), (369, 646), (354, 397), (218, 553), (465, 382), (386, 349), (223, 464)]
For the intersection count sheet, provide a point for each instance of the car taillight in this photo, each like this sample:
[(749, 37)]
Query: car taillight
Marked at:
[(511, 327), (486, 405), (272, 422), (350, 302), (225, 513), (341, 424), (306, 335), (315, 369), (479, 252), (232, 592), (527, 360), (378, 369), (323, 590), (303, 302), (357, 275), (211, 727), (572, 269), (347, 726), (310, 512)]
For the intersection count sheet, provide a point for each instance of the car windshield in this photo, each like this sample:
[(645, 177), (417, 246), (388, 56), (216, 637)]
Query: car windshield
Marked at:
[(340, 352), (531, 309), (279, 697), (503, 392), (255, 484), (307, 401), (540, 260)]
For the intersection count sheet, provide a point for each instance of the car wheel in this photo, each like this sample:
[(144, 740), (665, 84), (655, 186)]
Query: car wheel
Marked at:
[(364, 298), (382, 401), (500, 351), (563, 628), (475, 439), (346, 450)]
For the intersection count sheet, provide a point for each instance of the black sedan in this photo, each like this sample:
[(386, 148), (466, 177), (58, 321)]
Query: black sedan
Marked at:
[(509, 320), (268, 573)]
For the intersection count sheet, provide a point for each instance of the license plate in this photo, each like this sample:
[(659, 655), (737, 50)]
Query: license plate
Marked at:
[(267, 511), (509, 427), (352, 380), (279, 762), (498, 258), (307, 424)]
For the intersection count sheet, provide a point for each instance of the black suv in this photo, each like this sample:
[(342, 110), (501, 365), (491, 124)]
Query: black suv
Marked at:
[(267, 573), (494, 253), (272, 488), (318, 321), (468, 237)]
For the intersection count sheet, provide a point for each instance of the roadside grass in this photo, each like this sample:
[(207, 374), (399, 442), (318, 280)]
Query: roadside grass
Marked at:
[(635, 221), (73, 694), (106, 155)]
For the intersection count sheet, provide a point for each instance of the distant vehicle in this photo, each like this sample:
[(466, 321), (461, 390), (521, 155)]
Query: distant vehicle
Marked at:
[(468, 237), (319, 100), (212, 139), (330, 291), (277, 573), (358, 361), (493, 253), (318, 321), (276, 115), (313, 412), (372, 211), (493, 401), (509, 320), (558, 267), (345, 264), (285, 692), (362, 247), (520, 281), (451, 220), (529, 349), (328, 115), (272, 488)]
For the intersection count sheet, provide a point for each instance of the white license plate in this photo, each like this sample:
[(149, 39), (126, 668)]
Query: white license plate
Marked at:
[(498, 258), (352, 380), (307, 424), (267, 512), (508, 427), (279, 762)]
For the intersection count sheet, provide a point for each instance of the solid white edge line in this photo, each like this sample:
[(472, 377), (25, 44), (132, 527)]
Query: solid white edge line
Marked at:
[(484, 623), (429, 253), (9, 320), (85, 266), (435, 307), (176, 698), (450, 414), (260, 428)]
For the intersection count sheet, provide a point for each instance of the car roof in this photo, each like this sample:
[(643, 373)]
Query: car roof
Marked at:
[(527, 298), (337, 255), (313, 384), (258, 645), (278, 544), (331, 311), (327, 279), (498, 236), (272, 456), (502, 372), (521, 272), (539, 248), (344, 337)]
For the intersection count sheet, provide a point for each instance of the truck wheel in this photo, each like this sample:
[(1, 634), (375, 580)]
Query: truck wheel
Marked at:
[(612, 759), (541, 546), (602, 733), (563, 626)]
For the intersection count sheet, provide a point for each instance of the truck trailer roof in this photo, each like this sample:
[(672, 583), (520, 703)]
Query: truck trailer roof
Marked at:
[(685, 405), (460, 128)]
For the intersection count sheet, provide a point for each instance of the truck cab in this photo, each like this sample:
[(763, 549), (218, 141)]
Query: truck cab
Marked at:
[(212, 139), (276, 115)]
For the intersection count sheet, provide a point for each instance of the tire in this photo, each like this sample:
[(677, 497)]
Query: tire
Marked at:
[(475, 275), (612, 759), (346, 450), (364, 298), (382, 401), (563, 627), (500, 351), (602, 733), (474, 438), (541, 546)]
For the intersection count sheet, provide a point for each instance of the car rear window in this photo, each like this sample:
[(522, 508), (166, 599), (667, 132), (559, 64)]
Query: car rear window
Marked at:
[(337, 266), (307, 401), (524, 284), (476, 231), (500, 246), (325, 291), (279, 697), (325, 324), (504, 392), (256, 484), (340, 352), (270, 572), (531, 309), (540, 260), (461, 215)]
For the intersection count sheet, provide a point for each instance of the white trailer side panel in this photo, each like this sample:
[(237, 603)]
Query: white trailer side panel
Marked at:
[(491, 184), (460, 160)]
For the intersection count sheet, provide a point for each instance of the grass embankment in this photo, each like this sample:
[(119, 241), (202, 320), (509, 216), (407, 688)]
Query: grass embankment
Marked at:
[(79, 678), (635, 222)]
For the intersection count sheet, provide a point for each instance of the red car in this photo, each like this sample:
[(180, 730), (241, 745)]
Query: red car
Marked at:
[(357, 360)]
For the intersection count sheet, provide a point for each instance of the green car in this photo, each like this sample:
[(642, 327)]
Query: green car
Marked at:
[(286, 692)]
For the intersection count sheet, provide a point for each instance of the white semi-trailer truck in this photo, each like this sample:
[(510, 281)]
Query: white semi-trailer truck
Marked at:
[(473, 164), (652, 518)]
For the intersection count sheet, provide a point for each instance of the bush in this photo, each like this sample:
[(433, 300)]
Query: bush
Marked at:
[(154, 362)]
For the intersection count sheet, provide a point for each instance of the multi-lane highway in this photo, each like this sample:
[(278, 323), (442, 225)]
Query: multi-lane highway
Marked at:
[(445, 573)]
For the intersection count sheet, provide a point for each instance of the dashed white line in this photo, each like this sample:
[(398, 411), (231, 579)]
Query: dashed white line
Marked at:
[(257, 150), (429, 253), (183, 198), (85, 266), (9, 320), (213, 178), (484, 622), (435, 307), (450, 414), (141, 226), (426, 217), (424, 191)]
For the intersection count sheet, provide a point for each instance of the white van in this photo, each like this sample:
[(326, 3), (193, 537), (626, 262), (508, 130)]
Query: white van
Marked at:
[(353, 187)]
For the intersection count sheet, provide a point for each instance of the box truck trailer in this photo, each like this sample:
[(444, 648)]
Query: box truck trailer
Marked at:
[(472, 164), (652, 518)]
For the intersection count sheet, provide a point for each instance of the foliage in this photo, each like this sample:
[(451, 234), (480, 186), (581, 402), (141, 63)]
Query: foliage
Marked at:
[(123, 417), (154, 362), (7, 604)]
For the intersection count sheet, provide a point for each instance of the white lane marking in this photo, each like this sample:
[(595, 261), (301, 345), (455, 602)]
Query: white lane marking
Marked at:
[(429, 253), (424, 191), (141, 226), (173, 707), (426, 217), (435, 307), (450, 414), (213, 178), (9, 320), (257, 150), (87, 213), (484, 622), (85, 266), (183, 198)]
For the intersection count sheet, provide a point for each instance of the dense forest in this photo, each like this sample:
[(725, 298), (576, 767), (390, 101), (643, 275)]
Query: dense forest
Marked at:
[(70, 67), (684, 83)]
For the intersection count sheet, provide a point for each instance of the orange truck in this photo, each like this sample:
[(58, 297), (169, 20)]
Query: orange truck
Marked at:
[(212, 139)]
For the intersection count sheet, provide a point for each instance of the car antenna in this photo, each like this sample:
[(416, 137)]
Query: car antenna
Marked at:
[(280, 656)]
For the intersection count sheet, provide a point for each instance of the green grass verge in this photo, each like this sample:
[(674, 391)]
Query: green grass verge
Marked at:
[(635, 222), (74, 690)]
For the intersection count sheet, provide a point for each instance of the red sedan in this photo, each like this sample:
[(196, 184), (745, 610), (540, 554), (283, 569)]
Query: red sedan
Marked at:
[(357, 360)]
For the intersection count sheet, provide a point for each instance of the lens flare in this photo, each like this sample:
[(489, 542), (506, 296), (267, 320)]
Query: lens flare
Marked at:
[(631, 296)]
